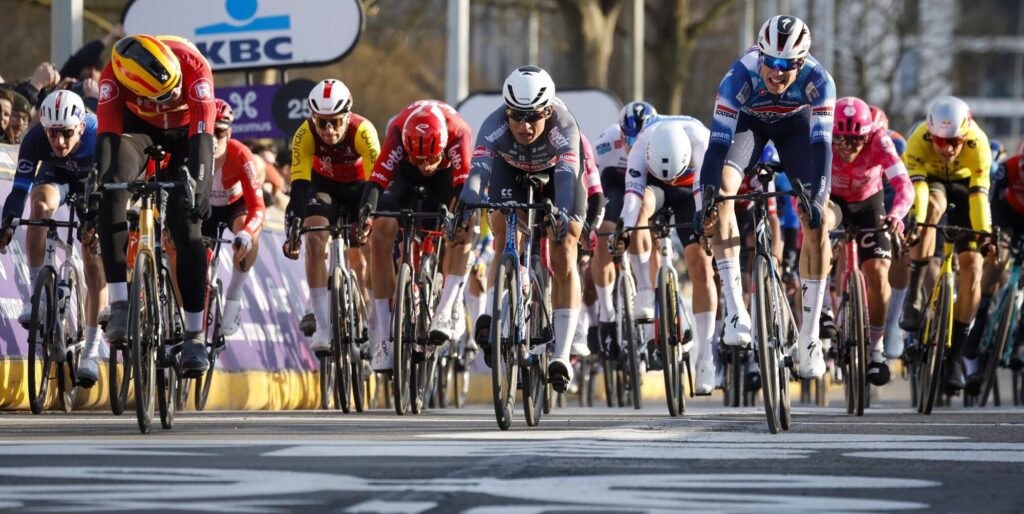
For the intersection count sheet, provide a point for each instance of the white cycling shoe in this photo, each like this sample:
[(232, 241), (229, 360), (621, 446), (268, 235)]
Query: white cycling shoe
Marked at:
[(705, 380), (643, 305), (25, 316), (737, 329), (382, 359), (812, 360), (232, 317), (89, 371), (441, 329), (321, 342)]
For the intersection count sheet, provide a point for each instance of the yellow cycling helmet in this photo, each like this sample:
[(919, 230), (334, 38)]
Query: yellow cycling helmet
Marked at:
[(145, 65)]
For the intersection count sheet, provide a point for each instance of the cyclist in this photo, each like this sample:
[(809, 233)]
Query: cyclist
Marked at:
[(428, 144), (862, 154), (157, 90), (949, 159), (236, 199), (775, 91), (670, 149), (534, 132), (333, 153), (612, 151), (62, 148)]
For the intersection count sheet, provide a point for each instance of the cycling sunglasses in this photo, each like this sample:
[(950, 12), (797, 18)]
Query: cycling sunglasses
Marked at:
[(336, 123), (780, 64), (945, 142), (54, 133), (526, 116), (851, 140)]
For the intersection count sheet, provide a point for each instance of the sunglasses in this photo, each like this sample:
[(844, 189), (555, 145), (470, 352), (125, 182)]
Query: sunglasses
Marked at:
[(851, 140), (336, 123), (66, 133), (945, 142), (221, 133), (526, 116), (780, 64)]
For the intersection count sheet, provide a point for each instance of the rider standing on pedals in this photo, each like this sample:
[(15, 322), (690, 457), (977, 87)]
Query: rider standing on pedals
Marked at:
[(533, 133), (862, 155), (670, 149), (333, 153), (62, 147), (427, 145), (157, 90), (776, 91)]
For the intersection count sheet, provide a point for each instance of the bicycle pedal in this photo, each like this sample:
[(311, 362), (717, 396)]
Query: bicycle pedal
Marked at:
[(192, 374), (323, 353)]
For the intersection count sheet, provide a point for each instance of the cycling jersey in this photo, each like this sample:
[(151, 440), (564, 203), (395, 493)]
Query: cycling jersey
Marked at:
[(236, 178), (972, 165), (636, 176), (36, 149), (611, 150), (591, 173), (194, 108), (557, 150), (1008, 184), (456, 155), (743, 97), (861, 179), (351, 160)]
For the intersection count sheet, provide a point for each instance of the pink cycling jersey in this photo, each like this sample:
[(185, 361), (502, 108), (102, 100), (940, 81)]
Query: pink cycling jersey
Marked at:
[(857, 181), (592, 176)]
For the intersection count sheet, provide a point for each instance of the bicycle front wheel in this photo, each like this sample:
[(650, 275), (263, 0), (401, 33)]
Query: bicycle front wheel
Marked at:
[(626, 332), (143, 335), (504, 360), (855, 340), (765, 331), (668, 329), (938, 330), (404, 338), (41, 335), (214, 344)]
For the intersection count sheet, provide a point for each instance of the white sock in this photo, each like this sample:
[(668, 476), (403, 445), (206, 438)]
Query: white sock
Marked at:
[(606, 303), (488, 301), (234, 290), (118, 291), (321, 307), (732, 284), (33, 272), (194, 321), (452, 285), (876, 343), (92, 342), (473, 305), (641, 264), (895, 309), (813, 297), (703, 330), (383, 310), (826, 303), (564, 321)]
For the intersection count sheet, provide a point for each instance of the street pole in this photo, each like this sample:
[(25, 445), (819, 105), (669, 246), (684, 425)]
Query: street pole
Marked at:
[(635, 85), (457, 68), (65, 30)]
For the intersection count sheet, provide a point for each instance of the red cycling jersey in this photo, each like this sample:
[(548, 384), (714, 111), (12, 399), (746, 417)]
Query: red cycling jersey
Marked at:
[(194, 108), (457, 153), (235, 178), (1015, 183)]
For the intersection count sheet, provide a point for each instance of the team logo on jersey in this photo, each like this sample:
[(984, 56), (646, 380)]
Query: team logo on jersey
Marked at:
[(744, 93), (455, 156), (635, 173), (812, 92), (569, 158), (721, 110), (483, 151), (500, 131), (108, 91), (603, 148), (201, 91), (557, 138)]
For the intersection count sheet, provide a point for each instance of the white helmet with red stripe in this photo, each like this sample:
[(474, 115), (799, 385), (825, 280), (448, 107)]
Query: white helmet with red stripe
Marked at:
[(330, 98), (785, 37), (62, 109)]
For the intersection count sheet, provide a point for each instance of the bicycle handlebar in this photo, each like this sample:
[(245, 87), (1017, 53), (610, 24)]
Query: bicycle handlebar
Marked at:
[(48, 223)]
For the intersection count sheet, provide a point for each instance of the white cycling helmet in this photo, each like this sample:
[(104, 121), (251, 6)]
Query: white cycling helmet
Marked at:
[(948, 116), (785, 37), (528, 88), (330, 98), (62, 109), (668, 151)]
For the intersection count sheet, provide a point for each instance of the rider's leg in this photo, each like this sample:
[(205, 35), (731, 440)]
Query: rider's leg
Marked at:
[(43, 202), (316, 277), (967, 299), (565, 292), (920, 256), (726, 238), (382, 262), (603, 271), (899, 277), (640, 260), (705, 302), (239, 277), (815, 257)]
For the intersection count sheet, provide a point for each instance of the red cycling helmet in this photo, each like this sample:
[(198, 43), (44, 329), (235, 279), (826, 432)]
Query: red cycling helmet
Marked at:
[(425, 132), (879, 118), (853, 117), (225, 115)]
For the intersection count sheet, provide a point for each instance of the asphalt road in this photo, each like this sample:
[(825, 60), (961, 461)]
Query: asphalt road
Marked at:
[(712, 459)]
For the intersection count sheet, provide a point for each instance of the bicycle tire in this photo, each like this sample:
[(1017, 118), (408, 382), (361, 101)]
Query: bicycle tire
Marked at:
[(143, 331), (505, 361), (626, 331), (936, 346), (404, 335), (995, 352), (666, 314), (119, 377), (168, 379), (359, 377), (531, 378), (73, 336), (40, 338), (214, 344), (765, 327), (857, 331), (737, 359), (608, 369)]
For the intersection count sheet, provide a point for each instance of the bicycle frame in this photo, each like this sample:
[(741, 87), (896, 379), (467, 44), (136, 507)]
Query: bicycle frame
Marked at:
[(945, 275)]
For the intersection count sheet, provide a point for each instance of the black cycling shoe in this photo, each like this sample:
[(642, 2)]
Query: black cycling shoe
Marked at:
[(609, 346), (482, 336), (194, 360), (955, 375), (308, 324), (974, 380), (878, 373), (1017, 360), (654, 360), (911, 320), (752, 381), (558, 376), (593, 340), (826, 325)]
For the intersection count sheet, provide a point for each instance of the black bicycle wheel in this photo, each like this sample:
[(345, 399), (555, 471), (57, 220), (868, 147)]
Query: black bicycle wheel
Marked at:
[(214, 344), (995, 351), (504, 359), (358, 320), (119, 377), (166, 392), (535, 399), (338, 293), (737, 359), (168, 379), (404, 332), (625, 330), (608, 369), (938, 332), (666, 314), (41, 339), (73, 339), (765, 330), (143, 336), (856, 333)]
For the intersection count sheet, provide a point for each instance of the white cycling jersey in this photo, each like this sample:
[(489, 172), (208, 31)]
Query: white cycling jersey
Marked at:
[(611, 149)]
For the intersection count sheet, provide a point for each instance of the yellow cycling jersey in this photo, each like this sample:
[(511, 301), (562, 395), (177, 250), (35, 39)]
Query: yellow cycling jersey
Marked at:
[(973, 164), (351, 160)]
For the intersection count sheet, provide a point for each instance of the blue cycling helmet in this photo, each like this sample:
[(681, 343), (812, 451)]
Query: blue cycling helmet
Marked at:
[(899, 142), (770, 155), (634, 117), (998, 150)]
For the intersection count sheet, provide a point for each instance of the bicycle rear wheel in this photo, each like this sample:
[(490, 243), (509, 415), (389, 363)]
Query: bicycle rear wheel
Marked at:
[(736, 364), (765, 330), (938, 332), (668, 329), (41, 336), (995, 352), (169, 375), (404, 338), (143, 337), (214, 344), (505, 361)]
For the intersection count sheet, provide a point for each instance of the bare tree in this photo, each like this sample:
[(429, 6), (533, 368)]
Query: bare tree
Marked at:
[(593, 22)]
